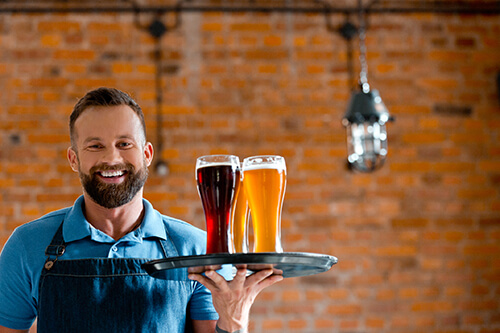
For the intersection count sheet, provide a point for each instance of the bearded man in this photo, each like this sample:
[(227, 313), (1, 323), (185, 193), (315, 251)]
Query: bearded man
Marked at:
[(79, 269)]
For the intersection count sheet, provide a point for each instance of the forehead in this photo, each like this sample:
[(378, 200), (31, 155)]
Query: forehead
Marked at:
[(107, 122)]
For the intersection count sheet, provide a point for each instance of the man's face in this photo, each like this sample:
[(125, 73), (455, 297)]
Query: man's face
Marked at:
[(111, 154)]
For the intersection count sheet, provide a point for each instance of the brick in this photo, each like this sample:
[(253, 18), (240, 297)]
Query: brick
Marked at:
[(344, 310), (482, 250), (49, 138), (25, 168), (212, 26), (75, 68), (489, 166), (49, 83), (396, 251), (377, 323), (476, 194), (250, 27), (102, 27), (409, 223), (408, 293), (436, 306), (272, 324), (489, 222), (74, 54), (347, 325), (290, 308), (467, 138), (50, 40), (121, 68), (413, 167), (295, 324), (53, 197), (454, 236), (266, 54), (273, 41), (324, 323), (58, 26), (385, 68), (291, 296), (424, 138)]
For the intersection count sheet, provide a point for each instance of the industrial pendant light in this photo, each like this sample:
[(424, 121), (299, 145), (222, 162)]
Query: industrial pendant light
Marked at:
[(365, 118)]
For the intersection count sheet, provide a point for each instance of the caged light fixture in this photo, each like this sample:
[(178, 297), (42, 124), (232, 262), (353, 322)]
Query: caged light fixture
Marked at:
[(366, 117)]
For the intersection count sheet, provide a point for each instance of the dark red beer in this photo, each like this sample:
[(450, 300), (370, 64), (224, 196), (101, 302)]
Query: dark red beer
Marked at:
[(218, 186)]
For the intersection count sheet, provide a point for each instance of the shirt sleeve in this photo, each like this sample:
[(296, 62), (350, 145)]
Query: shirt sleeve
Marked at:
[(17, 306)]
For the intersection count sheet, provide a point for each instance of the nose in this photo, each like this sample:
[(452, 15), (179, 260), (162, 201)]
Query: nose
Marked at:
[(111, 156)]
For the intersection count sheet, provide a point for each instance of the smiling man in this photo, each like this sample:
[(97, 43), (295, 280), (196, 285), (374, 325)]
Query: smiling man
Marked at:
[(78, 269)]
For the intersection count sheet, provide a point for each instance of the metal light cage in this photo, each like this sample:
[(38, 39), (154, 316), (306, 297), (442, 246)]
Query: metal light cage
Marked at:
[(365, 123)]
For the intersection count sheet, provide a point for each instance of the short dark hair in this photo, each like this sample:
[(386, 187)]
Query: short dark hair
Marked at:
[(103, 97)]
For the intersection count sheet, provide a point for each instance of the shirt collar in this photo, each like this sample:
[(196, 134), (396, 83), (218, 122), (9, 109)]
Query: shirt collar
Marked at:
[(77, 227)]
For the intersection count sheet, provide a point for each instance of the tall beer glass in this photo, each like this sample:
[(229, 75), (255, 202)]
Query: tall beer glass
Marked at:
[(264, 182), (218, 180), (239, 229)]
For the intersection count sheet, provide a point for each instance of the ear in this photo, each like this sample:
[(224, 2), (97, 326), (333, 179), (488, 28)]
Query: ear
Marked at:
[(72, 159), (148, 153)]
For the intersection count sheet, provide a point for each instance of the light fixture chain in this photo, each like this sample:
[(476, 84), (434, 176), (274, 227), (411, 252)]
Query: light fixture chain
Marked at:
[(363, 74)]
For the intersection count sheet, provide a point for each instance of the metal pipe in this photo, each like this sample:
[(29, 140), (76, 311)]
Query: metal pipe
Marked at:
[(490, 8)]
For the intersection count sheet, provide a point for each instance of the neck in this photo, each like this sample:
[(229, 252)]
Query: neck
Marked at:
[(115, 222)]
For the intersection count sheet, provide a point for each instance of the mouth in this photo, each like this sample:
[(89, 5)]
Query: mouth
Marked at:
[(112, 176)]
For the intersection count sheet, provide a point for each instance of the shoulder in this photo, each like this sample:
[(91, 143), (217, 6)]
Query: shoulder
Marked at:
[(40, 229), (28, 241)]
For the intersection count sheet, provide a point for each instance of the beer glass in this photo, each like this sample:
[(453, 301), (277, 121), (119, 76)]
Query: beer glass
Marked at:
[(240, 217), (218, 180), (264, 182)]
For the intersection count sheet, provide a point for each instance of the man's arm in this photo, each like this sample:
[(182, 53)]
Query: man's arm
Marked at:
[(10, 330), (233, 299)]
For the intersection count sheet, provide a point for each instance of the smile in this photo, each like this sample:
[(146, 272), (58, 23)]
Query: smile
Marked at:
[(112, 173)]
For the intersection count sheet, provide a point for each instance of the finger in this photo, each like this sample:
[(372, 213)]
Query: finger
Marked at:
[(217, 280), (266, 283), (258, 277), (240, 276), (208, 283)]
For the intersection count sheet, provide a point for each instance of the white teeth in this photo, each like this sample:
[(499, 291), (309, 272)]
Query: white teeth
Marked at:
[(112, 173)]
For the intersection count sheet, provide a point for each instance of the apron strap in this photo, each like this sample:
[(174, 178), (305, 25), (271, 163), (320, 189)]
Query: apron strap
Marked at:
[(168, 247), (56, 248), (57, 245)]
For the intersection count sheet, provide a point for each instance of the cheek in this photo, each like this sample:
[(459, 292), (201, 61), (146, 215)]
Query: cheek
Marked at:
[(137, 160), (87, 161)]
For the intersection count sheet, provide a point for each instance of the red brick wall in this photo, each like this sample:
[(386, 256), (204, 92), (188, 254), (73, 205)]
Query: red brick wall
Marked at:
[(418, 241)]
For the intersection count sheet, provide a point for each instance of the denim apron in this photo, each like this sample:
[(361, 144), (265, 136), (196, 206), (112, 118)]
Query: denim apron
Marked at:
[(110, 294)]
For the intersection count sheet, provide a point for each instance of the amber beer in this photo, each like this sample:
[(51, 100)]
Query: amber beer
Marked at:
[(240, 219), (218, 179), (264, 183)]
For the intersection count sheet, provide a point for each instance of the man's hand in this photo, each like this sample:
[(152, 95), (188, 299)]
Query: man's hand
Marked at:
[(233, 299)]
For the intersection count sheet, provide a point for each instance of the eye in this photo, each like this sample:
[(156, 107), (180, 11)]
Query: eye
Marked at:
[(124, 144), (94, 146)]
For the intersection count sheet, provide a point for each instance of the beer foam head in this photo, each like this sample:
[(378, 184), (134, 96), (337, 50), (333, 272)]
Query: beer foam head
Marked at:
[(212, 160), (264, 162)]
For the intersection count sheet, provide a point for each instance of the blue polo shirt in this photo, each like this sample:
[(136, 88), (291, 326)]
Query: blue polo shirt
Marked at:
[(23, 256)]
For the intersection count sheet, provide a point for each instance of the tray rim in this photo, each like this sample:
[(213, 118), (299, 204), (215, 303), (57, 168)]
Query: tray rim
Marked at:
[(319, 263)]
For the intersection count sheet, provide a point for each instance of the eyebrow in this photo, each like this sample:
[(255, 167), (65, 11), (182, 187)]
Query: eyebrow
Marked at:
[(96, 138), (87, 140)]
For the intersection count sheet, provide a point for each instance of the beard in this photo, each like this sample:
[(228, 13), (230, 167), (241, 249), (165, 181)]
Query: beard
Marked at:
[(113, 195)]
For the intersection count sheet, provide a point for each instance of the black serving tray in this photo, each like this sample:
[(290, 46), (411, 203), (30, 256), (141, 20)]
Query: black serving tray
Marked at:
[(288, 264)]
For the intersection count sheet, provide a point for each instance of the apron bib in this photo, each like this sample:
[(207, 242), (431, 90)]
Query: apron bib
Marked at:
[(110, 295)]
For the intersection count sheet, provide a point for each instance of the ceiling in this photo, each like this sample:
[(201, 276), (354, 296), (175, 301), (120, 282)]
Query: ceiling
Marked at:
[(489, 7)]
